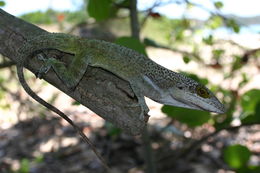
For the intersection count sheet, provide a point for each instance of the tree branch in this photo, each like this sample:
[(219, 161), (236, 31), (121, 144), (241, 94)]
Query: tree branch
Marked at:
[(134, 20), (106, 94)]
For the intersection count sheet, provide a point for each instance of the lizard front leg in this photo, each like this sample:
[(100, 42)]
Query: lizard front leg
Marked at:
[(70, 74), (63, 73), (141, 101)]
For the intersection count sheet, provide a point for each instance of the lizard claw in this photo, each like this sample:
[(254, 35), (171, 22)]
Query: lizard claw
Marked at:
[(41, 57), (43, 70), (144, 109)]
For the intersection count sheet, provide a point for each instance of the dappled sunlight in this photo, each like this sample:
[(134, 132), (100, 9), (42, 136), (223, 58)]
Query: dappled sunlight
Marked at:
[(215, 55)]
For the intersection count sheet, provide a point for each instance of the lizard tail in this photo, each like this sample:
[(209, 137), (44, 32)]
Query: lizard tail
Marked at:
[(30, 92)]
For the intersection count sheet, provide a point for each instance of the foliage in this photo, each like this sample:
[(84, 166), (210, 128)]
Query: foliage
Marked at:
[(51, 16), (99, 9), (175, 30), (218, 4), (190, 117), (176, 34), (2, 3), (25, 166), (250, 100), (131, 43), (237, 156), (39, 17)]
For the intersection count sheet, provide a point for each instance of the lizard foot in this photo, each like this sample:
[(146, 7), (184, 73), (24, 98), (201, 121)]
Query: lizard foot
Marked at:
[(141, 102), (144, 108), (44, 68), (48, 63)]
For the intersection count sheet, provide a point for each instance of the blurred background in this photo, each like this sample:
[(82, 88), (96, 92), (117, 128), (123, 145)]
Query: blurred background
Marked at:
[(216, 42)]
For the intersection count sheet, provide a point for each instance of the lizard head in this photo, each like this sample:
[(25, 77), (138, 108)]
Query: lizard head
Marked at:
[(187, 93)]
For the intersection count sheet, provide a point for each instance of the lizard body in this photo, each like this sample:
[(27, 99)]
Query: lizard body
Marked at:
[(146, 77), (30, 92)]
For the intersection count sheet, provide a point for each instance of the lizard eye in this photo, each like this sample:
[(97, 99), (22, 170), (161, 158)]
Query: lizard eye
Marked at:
[(201, 91)]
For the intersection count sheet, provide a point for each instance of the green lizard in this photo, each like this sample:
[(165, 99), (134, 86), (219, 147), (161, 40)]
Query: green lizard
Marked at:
[(145, 77)]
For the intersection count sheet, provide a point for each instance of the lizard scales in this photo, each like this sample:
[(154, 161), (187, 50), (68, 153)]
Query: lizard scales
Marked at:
[(146, 77)]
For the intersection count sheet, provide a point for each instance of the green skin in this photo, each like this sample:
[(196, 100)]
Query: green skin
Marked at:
[(145, 77)]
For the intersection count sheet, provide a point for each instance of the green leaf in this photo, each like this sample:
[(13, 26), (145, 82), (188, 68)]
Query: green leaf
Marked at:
[(248, 119), (215, 22), (257, 109), (25, 166), (185, 23), (132, 43), (244, 81), (190, 117), (237, 63), (233, 24), (252, 118), (236, 156), (217, 53), (249, 169), (218, 4), (99, 9), (249, 101), (39, 159), (2, 3), (179, 34), (208, 40), (186, 59), (39, 17)]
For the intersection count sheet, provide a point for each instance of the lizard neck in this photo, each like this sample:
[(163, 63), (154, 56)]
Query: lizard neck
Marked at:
[(156, 81), (150, 88), (160, 76)]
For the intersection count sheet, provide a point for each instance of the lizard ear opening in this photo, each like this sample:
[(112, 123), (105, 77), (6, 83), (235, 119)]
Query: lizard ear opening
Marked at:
[(180, 87)]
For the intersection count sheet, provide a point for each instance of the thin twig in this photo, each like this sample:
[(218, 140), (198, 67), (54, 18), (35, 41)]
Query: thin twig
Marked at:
[(148, 152), (190, 150), (194, 146), (7, 64)]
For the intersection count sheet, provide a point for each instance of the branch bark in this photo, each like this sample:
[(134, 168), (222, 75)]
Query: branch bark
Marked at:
[(101, 91)]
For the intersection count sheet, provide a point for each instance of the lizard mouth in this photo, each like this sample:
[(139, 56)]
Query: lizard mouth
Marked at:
[(209, 108), (190, 105), (184, 104), (198, 105)]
